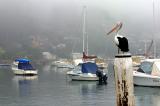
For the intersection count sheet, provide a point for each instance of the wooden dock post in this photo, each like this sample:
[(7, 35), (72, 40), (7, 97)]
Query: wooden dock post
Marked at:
[(124, 80)]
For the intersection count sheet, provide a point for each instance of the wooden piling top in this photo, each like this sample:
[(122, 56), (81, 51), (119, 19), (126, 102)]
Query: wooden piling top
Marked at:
[(124, 55)]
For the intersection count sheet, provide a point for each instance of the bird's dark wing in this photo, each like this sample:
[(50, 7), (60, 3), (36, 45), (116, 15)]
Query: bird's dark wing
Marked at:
[(123, 44)]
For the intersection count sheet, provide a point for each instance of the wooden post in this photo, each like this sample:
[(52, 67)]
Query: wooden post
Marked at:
[(124, 80)]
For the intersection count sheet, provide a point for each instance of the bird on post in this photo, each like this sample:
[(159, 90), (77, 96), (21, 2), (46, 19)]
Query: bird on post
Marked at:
[(121, 41)]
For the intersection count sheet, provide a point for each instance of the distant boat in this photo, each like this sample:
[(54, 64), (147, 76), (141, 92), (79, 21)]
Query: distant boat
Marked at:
[(148, 73), (23, 66), (136, 61), (84, 72), (101, 63), (4, 64), (63, 63)]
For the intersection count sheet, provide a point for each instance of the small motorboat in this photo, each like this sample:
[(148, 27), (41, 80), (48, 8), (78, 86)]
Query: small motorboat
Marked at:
[(23, 66), (148, 73), (85, 72), (63, 64)]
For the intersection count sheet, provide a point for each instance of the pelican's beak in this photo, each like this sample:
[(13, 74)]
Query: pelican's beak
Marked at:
[(112, 30), (116, 28)]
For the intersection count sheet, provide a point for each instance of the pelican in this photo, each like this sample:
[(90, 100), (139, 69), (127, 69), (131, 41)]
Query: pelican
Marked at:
[(121, 41)]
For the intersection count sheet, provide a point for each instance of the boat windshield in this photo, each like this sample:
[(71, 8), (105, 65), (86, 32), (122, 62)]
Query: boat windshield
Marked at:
[(25, 66), (89, 68), (146, 67)]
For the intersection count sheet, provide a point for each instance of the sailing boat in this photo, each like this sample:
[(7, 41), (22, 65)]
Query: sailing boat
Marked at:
[(85, 57), (79, 58), (101, 63), (85, 53), (87, 68)]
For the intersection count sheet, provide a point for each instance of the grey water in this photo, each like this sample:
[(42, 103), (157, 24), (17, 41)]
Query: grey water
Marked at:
[(53, 88)]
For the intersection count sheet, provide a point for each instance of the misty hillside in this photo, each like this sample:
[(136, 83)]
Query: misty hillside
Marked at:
[(29, 27)]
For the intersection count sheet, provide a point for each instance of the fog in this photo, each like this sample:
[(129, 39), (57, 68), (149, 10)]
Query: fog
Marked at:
[(52, 23)]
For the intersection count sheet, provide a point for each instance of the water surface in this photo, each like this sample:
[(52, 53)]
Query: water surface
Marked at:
[(52, 88)]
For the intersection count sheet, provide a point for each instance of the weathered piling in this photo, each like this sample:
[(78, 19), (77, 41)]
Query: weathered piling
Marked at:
[(124, 80)]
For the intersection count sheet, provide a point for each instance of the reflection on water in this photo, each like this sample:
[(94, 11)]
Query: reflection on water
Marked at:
[(85, 86), (147, 96), (23, 84), (50, 88), (47, 68), (90, 93)]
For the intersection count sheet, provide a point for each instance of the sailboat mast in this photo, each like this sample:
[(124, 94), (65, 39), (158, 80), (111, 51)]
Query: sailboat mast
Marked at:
[(154, 43), (84, 27), (87, 44)]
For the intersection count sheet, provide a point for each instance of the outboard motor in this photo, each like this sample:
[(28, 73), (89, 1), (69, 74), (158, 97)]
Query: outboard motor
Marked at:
[(102, 77), (105, 78)]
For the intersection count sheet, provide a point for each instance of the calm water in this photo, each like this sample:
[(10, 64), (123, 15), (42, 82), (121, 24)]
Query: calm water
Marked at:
[(52, 88)]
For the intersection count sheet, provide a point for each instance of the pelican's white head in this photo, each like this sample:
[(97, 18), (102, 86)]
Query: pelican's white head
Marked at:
[(116, 38), (118, 35)]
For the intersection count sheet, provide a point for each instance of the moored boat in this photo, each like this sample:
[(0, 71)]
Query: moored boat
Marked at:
[(62, 63), (23, 66), (148, 73), (84, 72)]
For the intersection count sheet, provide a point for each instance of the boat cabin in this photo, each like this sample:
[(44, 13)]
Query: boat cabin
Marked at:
[(150, 66)]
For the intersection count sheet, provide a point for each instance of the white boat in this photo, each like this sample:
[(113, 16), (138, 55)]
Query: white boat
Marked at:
[(148, 73), (63, 64), (84, 72), (101, 63), (23, 66)]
